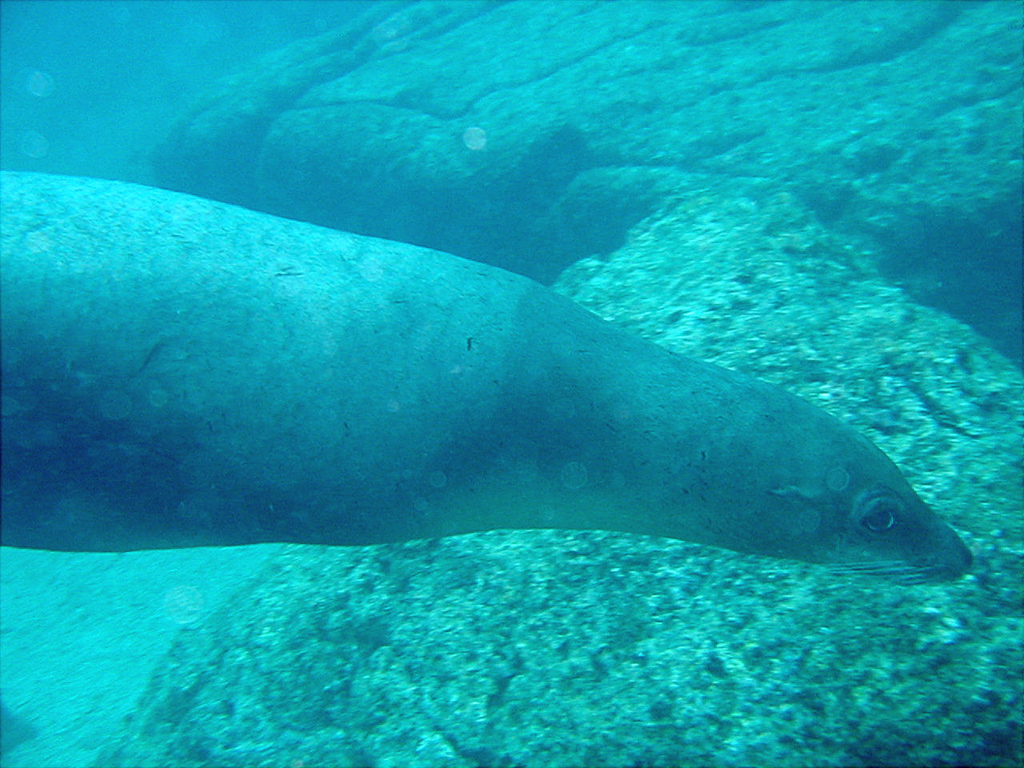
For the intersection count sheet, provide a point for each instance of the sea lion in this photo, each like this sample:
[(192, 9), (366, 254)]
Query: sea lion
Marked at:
[(181, 372)]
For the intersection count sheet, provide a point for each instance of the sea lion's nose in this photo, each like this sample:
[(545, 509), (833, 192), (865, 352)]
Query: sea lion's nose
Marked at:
[(962, 557), (954, 558)]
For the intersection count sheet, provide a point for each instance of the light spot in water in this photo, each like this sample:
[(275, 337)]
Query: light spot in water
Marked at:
[(39, 83), (574, 475), (837, 479), (38, 242), (392, 29), (548, 515), (115, 405), (474, 138), (158, 398), (34, 144), (437, 479), (184, 605), (371, 270)]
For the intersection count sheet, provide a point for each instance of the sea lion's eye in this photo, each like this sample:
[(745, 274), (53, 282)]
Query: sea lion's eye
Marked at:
[(880, 520), (878, 509)]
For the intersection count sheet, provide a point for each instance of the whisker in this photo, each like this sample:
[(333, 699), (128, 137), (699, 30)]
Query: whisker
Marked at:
[(875, 566), (900, 570)]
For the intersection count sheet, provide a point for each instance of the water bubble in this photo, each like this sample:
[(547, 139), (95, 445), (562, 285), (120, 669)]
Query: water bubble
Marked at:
[(115, 405), (574, 475), (474, 138), (391, 29), (437, 479), (39, 83), (371, 270), (804, 521), (34, 144), (121, 15), (184, 605), (837, 479), (38, 242), (158, 398), (548, 516)]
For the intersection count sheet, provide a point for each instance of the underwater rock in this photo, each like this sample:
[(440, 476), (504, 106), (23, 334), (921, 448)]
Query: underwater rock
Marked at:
[(568, 122)]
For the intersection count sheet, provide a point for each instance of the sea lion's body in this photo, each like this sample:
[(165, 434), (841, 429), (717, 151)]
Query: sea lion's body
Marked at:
[(179, 372)]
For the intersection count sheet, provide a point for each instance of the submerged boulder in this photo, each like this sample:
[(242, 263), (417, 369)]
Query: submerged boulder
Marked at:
[(530, 135)]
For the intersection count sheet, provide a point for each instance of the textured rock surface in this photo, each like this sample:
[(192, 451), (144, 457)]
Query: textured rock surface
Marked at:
[(549, 648), (532, 134), (587, 649)]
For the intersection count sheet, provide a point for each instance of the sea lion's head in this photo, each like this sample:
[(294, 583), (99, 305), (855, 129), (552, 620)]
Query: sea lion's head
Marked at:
[(874, 527), (891, 531), (878, 522), (858, 512)]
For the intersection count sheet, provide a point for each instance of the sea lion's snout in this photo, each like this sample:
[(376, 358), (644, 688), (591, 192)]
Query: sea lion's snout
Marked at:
[(952, 557), (896, 534), (936, 550)]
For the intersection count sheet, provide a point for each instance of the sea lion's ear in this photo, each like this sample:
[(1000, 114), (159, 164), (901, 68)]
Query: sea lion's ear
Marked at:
[(836, 480), (796, 492)]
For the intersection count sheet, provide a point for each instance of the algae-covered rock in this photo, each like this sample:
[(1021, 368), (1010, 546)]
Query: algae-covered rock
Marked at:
[(583, 649), (532, 134)]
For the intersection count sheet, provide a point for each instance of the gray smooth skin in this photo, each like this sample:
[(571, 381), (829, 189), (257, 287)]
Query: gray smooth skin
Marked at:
[(179, 372)]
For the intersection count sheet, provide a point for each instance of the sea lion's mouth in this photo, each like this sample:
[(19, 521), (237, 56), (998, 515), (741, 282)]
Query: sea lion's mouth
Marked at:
[(903, 571)]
